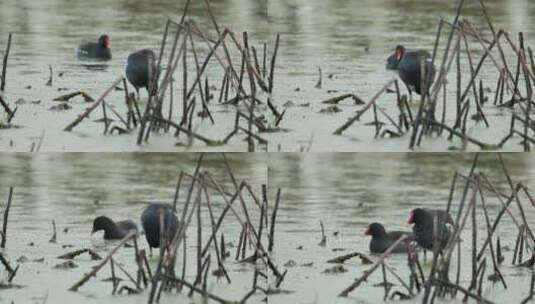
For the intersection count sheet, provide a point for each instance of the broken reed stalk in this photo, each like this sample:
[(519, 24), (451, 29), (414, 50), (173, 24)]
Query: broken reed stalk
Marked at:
[(460, 221), (105, 117), (363, 278), (426, 111), (467, 293), (228, 206), (113, 277), (343, 258), (465, 28), (138, 287), (203, 98), (54, 234), (220, 254), (230, 78), (441, 76), (204, 266), (493, 254), (94, 271), (199, 234), (474, 181), (482, 145), (50, 78), (351, 120), (141, 275), (6, 264), (93, 106), (125, 123), (8, 110), (531, 290), (323, 241), (477, 100), (192, 134), (6, 215), (272, 64), (196, 289), (163, 242), (71, 255), (254, 235), (4, 64), (273, 221), (177, 190), (263, 208), (505, 207)]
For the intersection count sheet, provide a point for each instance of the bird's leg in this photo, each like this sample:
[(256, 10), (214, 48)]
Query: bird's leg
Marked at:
[(137, 91), (150, 251), (410, 92)]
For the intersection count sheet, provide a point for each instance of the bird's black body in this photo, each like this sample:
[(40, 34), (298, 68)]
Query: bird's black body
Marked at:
[(150, 220), (96, 50), (424, 227), (382, 240), (137, 68), (113, 230), (408, 66)]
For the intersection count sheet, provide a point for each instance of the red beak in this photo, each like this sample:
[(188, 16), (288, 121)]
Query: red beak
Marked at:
[(410, 219), (398, 55), (367, 231)]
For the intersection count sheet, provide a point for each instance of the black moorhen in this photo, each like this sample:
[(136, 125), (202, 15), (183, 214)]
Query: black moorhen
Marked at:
[(150, 220), (381, 240), (113, 230), (408, 66), (423, 228), (96, 50), (137, 68)]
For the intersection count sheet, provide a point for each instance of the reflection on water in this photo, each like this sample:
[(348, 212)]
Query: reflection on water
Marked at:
[(347, 191), (74, 188), (95, 67)]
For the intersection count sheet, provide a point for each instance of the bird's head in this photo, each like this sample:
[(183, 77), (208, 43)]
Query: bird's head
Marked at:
[(102, 223), (104, 41), (393, 60), (375, 229)]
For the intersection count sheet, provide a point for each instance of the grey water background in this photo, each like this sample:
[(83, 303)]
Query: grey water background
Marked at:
[(73, 188)]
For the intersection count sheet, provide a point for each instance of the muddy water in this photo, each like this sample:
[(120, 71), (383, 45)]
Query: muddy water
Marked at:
[(48, 32), (350, 41), (348, 191), (72, 189)]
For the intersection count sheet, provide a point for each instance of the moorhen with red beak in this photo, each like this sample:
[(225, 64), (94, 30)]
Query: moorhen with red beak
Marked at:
[(113, 230), (423, 228), (137, 69), (96, 50), (382, 240), (408, 66)]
